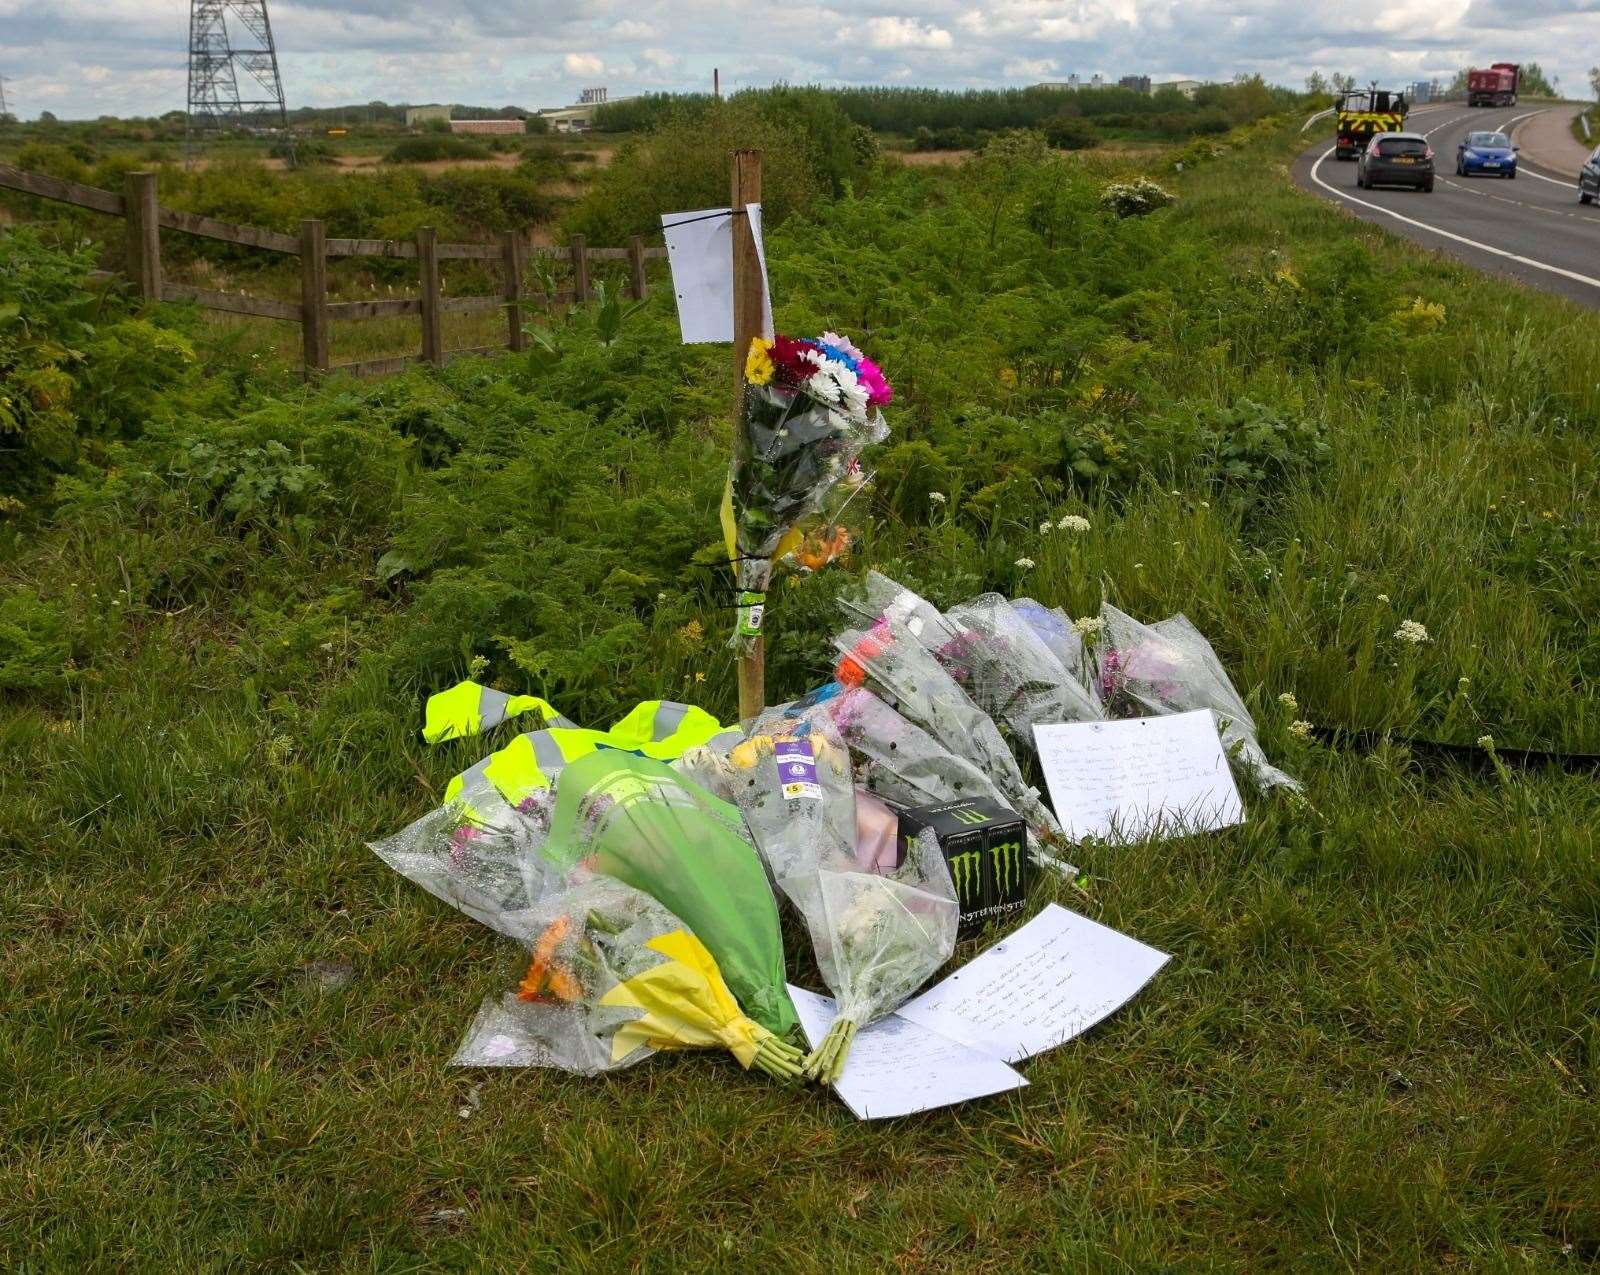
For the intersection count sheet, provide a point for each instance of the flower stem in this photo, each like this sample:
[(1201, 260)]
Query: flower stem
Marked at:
[(778, 1058), (825, 1064)]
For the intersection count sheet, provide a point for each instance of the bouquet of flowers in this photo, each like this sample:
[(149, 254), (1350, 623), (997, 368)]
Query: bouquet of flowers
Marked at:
[(1169, 667), (613, 977), (638, 821), (991, 654), (902, 670), (809, 407), (878, 935)]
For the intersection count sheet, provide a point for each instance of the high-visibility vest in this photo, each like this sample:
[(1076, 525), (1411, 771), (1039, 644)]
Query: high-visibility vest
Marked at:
[(470, 709), (661, 729)]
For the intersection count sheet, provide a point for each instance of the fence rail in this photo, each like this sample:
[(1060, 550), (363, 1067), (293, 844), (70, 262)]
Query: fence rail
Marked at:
[(145, 220)]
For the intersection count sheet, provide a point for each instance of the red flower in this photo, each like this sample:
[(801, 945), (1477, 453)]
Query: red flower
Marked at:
[(788, 356)]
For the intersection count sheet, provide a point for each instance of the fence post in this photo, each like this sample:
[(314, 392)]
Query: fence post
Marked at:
[(511, 259), (314, 295), (580, 270), (143, 216), (428, 269), (636, 267), (749, 288)]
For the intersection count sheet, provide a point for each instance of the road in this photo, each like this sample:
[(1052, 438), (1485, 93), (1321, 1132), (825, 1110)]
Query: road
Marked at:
[(1532, 228)]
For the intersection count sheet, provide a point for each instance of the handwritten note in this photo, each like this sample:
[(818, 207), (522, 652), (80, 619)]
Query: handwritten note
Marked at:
[(1145, 777), (700, 252), (897, 1068), (1053, 979)]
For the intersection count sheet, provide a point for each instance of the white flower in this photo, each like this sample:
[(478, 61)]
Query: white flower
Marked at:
[(822, 387), (1205, 504), (1412, 632), (1074, 522), (1300, 730), (1383, 597), (1026, 564), (1463, 683), (1045, 528), (1486, 742), (1138, 566), (1088, 626), (1288, 700)]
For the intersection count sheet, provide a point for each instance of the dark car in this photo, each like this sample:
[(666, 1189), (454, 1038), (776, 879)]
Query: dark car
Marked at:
[(1396, 159), (1589, 179), (1490, 153)]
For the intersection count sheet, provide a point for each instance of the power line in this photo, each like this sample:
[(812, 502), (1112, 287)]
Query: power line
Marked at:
[(220, 58)]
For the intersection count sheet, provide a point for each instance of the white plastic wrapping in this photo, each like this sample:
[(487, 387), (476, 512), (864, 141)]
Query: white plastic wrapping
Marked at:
[(1169, 667), (878, 936)]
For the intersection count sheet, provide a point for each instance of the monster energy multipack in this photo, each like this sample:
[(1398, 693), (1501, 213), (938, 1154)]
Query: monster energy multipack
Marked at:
[(985, 845)]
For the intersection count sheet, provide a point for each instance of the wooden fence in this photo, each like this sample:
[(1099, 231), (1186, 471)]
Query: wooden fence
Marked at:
[(145, 219)]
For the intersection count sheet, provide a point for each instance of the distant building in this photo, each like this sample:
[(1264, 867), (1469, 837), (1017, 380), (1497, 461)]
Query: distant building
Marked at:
[(1420, 92), (579, 118), (1138, 83), (1187, 87), (1073, 83), (488, 126), (422, 114)]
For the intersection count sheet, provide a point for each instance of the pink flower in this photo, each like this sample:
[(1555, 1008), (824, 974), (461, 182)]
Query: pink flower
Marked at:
[(872, 379)]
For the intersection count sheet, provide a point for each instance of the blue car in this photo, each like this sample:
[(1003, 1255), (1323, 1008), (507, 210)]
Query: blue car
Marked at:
[(1490, 153)]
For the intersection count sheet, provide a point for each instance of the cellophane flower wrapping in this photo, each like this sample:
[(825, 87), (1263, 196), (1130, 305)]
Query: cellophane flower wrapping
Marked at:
[(895, 664), (1053, 627), (481, 855), (583, 944), (805, 416), (996, 658), (643, 823), (877, 936), (1170, 667)]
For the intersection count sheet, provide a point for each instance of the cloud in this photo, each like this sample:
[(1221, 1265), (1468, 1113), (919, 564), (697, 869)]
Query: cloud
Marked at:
[(88, 57), (899, 33)]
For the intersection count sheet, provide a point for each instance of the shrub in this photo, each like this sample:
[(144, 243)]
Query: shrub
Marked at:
[(1071, 133), (1137, 198), (434, 147)]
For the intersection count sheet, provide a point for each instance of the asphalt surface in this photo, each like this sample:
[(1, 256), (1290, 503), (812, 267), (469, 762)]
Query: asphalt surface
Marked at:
[(1532, 228)]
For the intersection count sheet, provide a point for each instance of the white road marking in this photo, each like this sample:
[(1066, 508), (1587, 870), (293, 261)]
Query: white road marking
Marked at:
[(1571, 184), (1316, 176)]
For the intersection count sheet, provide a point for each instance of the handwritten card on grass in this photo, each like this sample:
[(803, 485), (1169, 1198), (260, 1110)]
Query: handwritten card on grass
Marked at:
[(1139, 778)]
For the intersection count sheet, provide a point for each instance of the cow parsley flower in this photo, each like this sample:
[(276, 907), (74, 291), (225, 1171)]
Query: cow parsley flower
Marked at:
[(1088, 626), (1412, 632), (1026, 564), (1074, 522), (936, 497), (1384, 598), (1288, 700), (1301, 729)]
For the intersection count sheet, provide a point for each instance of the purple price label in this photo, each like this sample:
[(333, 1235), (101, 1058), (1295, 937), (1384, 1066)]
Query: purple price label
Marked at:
[(797, 768)]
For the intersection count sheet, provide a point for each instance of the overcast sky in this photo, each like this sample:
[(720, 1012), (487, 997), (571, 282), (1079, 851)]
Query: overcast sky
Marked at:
[(124, 57)]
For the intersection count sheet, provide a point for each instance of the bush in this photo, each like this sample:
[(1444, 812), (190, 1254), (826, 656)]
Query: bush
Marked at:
[(1137, 198), (73, 366), (1071, 133), (434, 147)]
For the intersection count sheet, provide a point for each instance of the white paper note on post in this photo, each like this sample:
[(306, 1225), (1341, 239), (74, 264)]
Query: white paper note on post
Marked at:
[(897, 1068), (1053, 979), (700, 252), (1143, 777)]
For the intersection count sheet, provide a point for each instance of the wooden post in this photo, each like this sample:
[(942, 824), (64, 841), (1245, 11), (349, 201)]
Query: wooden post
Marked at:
[(641, 287), (314, 295), (143, 216), (748, 309), (511, 261), (428, 270), (580, 270)]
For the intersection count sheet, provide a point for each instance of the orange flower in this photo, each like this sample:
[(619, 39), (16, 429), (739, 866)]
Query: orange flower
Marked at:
[(543, 975), (819, 549)]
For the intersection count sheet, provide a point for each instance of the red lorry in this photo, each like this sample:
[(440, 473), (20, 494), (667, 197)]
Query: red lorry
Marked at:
[(1495, 87)]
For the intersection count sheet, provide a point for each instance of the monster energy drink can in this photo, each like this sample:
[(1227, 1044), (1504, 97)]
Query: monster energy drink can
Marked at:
[(985, 846)]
